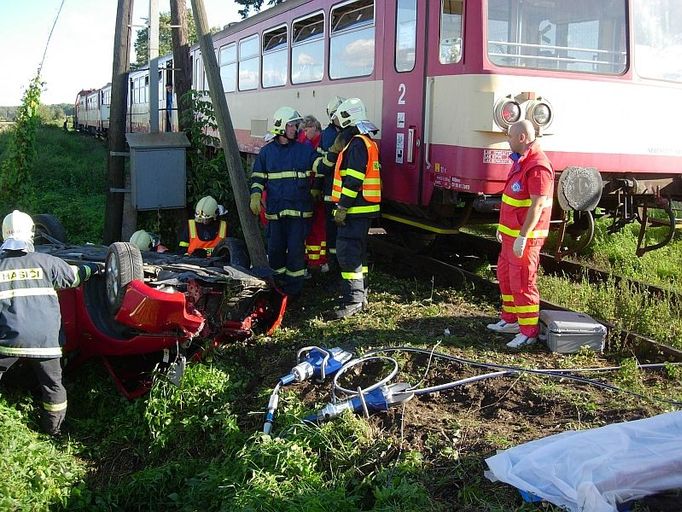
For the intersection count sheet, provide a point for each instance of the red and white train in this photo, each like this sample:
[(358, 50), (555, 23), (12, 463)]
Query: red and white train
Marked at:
[(601, 80)]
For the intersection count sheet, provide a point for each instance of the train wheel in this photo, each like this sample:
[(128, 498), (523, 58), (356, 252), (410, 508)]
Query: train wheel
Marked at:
[(123, 265)]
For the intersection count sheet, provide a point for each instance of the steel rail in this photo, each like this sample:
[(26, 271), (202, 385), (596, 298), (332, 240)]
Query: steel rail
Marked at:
[(457, 276)]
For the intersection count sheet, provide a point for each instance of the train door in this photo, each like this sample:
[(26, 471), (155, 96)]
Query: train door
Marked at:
[(403, 99)]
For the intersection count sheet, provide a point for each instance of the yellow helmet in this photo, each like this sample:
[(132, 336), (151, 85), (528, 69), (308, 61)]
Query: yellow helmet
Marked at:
[(352, 112), (334, 104), (142, 240), (206, 210), (282, 117), (17, 231)]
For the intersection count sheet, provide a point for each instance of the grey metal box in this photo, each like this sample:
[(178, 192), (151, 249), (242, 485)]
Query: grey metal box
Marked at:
[(158, 170), (566, 331)]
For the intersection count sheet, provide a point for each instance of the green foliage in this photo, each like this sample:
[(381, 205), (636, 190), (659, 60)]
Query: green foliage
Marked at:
[(16, 168), (165, 38), (36, 472), (67, 180), (256, 5)]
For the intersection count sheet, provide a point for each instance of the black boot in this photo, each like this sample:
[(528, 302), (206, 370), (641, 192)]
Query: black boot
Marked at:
[(346, 310)]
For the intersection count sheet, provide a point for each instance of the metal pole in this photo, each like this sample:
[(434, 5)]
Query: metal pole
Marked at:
[(228, 140), (154, 66)]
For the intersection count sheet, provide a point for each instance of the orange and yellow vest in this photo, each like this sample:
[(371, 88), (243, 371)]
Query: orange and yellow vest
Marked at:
[(368, 201), (208, 245)]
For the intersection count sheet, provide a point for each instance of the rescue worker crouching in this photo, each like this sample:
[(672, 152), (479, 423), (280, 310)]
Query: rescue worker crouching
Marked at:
[(146, 241), (204, 232), (30, 318), (283, 169), (356, 192)]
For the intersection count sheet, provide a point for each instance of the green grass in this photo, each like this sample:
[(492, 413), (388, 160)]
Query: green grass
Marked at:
[(68, 181), (198, 446)]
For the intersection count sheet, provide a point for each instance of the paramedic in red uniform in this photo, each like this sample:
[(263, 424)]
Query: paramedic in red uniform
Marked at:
[(524, 225)]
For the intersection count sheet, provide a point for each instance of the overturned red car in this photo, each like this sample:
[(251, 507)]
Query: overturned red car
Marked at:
[(156, 309)]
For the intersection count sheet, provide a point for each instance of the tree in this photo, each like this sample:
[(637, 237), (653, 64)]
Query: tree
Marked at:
[(255, 5), (165, 38)]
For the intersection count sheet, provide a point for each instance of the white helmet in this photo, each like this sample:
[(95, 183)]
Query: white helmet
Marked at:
[(282, 117), (352, 112), (334, 104), (206, 210), (142, 240), (18, 231)]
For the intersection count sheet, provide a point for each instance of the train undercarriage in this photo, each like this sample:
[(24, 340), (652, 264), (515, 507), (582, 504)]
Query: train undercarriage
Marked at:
[(581, 197)]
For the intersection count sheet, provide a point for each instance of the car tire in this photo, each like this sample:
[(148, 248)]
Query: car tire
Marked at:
[(49, 225), (123, 265)]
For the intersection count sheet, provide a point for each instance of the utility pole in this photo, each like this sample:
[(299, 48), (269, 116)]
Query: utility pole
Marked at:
[(113, 214), (228, 141), (153, 66), (182, 74)]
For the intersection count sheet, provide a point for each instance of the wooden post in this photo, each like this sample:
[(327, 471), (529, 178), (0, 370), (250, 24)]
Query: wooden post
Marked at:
[(228, 141), (182, 75), (113, 214)]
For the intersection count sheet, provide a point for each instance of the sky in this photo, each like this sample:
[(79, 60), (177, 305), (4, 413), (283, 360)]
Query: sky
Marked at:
[(81, 49)]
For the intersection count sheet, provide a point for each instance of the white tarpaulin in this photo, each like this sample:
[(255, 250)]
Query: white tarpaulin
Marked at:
[(594, 470)]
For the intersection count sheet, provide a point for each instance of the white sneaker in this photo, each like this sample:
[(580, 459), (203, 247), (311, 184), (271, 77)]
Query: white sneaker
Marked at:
[(521, 340), (504, 327)]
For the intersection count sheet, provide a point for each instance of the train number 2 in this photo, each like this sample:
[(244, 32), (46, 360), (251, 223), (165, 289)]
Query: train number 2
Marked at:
[(401, 89)]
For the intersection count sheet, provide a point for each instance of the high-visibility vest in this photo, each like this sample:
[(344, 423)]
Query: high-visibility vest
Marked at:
[(371, 179), (516, 198), (208, 245)]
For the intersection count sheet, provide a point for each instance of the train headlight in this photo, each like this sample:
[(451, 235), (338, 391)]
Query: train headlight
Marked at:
[(507, 112), (540, 113)]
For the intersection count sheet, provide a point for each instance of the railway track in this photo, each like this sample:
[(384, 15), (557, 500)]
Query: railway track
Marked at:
[(384, 249)]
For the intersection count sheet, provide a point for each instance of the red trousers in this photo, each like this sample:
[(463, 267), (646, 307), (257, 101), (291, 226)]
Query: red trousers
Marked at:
[(520, 296), (316, 243)]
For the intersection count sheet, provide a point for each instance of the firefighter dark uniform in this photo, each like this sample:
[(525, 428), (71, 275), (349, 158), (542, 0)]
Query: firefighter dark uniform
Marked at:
[(202, 237), (531, 174), (356, 186), (284, 172), (30, 321), (325, 175)]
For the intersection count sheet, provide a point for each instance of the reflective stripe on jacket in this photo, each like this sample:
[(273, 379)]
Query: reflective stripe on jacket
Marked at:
[(30, 317), (208, 245), (358, 190), (284, 171), (516, 197)]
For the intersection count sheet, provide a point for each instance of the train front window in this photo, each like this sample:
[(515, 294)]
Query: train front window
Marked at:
[(307, 49), (351, 51), (658, 39), (450, 31), (581, 35), (275, 53)]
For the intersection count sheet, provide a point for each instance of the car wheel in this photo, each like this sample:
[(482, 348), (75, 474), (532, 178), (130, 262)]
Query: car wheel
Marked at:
[(48, 230), (123, 265)]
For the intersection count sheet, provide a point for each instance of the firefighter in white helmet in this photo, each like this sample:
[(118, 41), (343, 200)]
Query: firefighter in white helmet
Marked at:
[(283, 169), (30, 318), (204, 232), (356, 194)]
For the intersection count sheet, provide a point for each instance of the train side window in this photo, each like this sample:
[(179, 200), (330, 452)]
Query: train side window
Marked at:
[(406, 35), (578, 36), (275, 54), (451, 31), (249, 63), (228, 67), (351, 50), (199, 73), (658, 44), (307, 49)]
